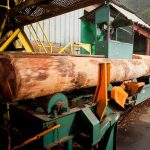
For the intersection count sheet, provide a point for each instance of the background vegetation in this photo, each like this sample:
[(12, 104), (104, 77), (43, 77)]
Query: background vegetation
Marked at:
[(140, 7)]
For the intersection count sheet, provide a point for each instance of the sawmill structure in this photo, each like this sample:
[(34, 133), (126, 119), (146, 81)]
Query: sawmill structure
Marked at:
[(64, 101)]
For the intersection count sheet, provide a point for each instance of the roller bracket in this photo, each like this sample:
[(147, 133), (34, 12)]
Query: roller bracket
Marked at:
[(57, 104), (119, 95), (134, 88)]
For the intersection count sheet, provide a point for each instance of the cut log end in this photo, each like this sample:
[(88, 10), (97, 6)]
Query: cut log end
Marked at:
[(8, 82)]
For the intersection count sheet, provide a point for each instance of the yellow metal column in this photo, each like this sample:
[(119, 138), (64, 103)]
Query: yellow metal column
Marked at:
[(2, 26), (51, 50), (9, 40), (25, 41), (39, 39)]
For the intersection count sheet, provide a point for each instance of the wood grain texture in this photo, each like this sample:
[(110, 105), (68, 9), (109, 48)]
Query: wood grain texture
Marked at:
[(24, 75)]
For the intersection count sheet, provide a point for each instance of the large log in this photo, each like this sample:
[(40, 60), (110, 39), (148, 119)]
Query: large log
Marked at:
[(144, 57), (24, 75)]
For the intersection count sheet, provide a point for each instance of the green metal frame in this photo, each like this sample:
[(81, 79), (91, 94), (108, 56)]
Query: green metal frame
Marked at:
[(85, 119), (109, 48), (88, 33), (144, 94)]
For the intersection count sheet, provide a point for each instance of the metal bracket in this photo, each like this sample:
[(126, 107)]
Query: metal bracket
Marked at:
[(119, 95), (101, 94), (134, 87), (59, 100)]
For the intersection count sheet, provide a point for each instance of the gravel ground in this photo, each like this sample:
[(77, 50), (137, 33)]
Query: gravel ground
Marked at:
[(134, 130)]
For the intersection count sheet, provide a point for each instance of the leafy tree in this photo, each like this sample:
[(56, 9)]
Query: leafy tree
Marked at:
[(140, 7)]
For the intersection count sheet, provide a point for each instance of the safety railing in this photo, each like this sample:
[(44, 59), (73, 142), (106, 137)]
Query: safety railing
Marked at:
[(75, 45), (37, 39)]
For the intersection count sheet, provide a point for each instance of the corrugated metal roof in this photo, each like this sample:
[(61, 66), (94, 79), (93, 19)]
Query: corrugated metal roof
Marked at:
[(130, 16)]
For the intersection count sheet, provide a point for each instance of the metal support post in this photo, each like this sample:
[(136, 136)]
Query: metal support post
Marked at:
[(69, 145), (109, 140)]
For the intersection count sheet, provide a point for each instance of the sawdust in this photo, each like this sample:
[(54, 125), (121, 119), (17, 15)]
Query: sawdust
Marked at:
[(135, 114)]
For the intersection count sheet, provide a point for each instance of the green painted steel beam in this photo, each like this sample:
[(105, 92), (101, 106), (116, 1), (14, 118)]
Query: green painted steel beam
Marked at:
[(85, 118), (143, 95)]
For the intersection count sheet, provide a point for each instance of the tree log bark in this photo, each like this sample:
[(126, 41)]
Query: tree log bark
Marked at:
[(24, 75), (144, 57)]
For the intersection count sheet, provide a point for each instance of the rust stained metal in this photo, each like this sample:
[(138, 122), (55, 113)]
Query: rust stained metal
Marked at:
[(36, 137)]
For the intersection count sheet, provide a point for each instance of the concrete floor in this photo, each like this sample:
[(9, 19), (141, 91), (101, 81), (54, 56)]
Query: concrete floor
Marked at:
[(134, 131)]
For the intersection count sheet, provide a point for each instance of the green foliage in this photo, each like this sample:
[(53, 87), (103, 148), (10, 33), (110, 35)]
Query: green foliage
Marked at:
[(141, 7), (146, 15)]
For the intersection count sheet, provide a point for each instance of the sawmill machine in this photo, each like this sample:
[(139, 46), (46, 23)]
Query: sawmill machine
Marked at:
[(109, 30), (113, 28), (75, 118)]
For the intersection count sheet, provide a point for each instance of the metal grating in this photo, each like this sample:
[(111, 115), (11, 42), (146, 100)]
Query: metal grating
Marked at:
[(64, 3), (30, 11)]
